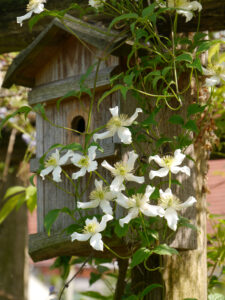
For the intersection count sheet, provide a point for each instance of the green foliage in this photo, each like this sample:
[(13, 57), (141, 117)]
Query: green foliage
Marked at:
[(15, 197)]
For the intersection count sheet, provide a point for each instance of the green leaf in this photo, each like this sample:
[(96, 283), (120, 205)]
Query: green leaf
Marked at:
[(39, 109), (94, 295), (13, 196), (132, 297), (176, 119), (162, 141), (107, 93), (120, 231), (94, 277), (191, 125), (194, 109), (123, 17), (50, 218), (196, 64), (31, 179), (149, 288), (148, 10), (22, 110), (73, 146), (184, 57), (164, 249), (139, 256), (204, 46), (31, 197), (67, 95)]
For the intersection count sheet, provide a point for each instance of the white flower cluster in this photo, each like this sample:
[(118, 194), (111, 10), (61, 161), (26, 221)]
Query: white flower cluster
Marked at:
[(96, 3), (122, 171)]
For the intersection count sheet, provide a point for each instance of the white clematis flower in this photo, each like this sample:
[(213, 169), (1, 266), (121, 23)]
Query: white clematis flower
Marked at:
[(86, 163), (185, 7), (118, 124), (123, 171), (168, 164), (54, 163), (216, 73), (96, 3), (92, 231), (100, 197), (139, 204), (172, 204), (34, 6)]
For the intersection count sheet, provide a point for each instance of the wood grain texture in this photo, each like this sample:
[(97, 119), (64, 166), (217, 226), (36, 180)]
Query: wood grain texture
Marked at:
[(42, 247)]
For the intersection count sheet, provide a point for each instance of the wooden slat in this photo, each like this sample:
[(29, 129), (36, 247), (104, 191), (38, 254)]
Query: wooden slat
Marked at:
[(57, 89), (42, 247)]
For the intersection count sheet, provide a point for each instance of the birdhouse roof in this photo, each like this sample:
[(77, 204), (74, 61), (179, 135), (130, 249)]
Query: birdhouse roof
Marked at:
[(26, 65)]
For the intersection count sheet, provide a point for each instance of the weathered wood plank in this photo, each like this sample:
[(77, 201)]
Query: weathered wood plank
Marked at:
[(42, 247), (57, 89)]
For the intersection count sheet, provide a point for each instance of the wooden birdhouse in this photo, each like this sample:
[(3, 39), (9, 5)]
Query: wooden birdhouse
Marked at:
[(53, 66)]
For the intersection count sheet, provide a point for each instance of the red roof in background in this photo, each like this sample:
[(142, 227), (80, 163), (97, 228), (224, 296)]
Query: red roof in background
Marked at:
[(216, 186)]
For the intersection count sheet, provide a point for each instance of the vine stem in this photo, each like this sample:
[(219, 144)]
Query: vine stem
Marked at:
[(101, 177), (170, 179), (113, 252), (66, 285)]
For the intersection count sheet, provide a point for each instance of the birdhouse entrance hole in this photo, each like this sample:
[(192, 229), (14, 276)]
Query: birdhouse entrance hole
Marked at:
[(78, 124)]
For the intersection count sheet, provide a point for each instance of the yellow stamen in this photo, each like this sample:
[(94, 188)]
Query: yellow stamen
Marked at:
[(90, 228), (84, 161)]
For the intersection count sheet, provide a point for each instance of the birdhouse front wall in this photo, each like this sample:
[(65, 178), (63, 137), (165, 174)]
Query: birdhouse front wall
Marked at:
[(50, 195)]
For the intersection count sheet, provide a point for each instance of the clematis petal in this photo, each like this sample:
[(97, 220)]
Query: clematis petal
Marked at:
[(214, 80), (92, 166), (20, 20), (93, 220), (167, 192), (39, 8), (92, 152), (160, 173), (78, 174), (106, 165), (116, 184), (207, 72), (131, 160), (114, 111), (76, 158), (104, 221), (149, 190), (96, 242), (63, 160), (189, 202), (178, 158), (133, 117), (125, 135), (46, 171), (187, 14), (172, 218), (194, 5), (138, 179), (123, 200), (56, 174), (89, 204), (156, 159), (132, 214), (152, 210), (184, 169), (103, 135), (80, 236), (98, 184), (106, 207)]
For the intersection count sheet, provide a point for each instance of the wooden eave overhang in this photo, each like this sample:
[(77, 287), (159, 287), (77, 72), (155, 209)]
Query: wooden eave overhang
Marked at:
[(24, 67)]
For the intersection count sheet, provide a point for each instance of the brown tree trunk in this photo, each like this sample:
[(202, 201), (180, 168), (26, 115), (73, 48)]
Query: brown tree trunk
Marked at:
[(13, 250), (183, 276)]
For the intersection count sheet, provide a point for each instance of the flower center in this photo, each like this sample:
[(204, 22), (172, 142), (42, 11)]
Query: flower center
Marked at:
[(84, 161), (52, 161), (168, 160), (90, 228), (116, 122), (138, 199), (169, 201), (120, 169), (98, 194)]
